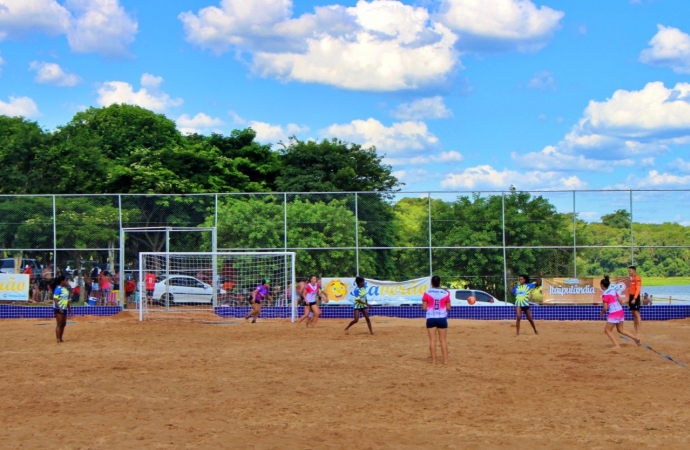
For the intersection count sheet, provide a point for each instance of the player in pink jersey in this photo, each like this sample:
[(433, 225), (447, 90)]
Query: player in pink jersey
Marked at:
[(311, 292), (436, 303), (615, 316)]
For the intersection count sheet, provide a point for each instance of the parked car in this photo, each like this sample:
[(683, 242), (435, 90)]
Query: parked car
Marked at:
[(181, 289), (458, 297), (7, 265)]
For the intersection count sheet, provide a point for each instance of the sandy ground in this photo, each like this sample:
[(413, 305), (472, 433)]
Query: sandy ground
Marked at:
[(119, 384)]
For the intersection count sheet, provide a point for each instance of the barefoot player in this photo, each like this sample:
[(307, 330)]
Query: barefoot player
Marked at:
[(436, 303), (615, 316), (261, 292), (361, 305), (522, 291)]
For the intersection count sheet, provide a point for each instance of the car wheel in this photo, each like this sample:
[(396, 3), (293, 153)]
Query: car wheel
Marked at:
[(166, 298)]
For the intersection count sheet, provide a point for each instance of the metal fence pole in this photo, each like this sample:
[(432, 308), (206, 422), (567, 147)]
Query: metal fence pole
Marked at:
[(505, 260), (632, 233), (431, 259), (54, 239), (574, 238), (123, 273), (357, 233), (215, 212)]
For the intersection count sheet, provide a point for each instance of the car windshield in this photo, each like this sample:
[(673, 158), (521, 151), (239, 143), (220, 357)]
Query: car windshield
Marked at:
[(7, 264)]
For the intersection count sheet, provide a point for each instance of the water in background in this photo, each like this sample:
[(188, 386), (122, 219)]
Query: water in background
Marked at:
[(662, 293)]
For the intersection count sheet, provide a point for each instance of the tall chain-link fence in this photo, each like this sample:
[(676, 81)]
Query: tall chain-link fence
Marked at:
[(478, 239)]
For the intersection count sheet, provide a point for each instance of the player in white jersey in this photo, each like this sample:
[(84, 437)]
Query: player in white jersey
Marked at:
[(436, 303)]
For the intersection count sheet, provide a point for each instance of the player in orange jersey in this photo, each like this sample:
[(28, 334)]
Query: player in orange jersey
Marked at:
[(634, 302)]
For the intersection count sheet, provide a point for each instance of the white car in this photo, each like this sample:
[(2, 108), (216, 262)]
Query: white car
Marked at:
[(181, 289), (458, 297)]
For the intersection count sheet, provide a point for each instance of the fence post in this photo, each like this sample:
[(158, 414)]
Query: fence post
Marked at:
[(632, 234), (431, 259), (123, 273), (356, 233), (505, 260), (54, 239), (574, 238)]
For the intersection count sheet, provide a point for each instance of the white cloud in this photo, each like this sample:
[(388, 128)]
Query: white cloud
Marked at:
[(151, 81), (381, 45), (400, 139), (542, 80), (423, 108), (631, 124), (51, 73), (551, 159), (500, 24), (485, 177), (269, 133), (2, 63), (670, 47), (19, 106), (21, 17), (443, 157), (657, 180), (198, 124), (91, 26), (112, 92), (679, 164)]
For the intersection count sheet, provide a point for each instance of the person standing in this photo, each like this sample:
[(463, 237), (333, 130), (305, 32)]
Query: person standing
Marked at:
[(634, 302), (436, 304), (522, 291), (150, 281), (311, 292), (61, 304)]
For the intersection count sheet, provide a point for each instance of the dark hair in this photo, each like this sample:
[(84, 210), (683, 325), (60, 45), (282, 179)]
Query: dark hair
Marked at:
[(55, 282), (605, 281), (359, 280), (526, 277), (435, 281), (632, 267)]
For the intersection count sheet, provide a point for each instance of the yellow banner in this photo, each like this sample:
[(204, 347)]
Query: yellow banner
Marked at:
[(14, 287), (585, 291)]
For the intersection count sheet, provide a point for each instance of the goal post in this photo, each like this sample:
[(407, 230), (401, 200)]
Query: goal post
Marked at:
[(184, 284), (160, 237)]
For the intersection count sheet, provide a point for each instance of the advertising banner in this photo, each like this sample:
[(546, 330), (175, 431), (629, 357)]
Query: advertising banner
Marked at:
[(394, 293), (14, 287), (584, 291)]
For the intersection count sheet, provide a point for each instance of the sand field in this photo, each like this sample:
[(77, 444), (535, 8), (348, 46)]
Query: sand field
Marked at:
[(119, 384)]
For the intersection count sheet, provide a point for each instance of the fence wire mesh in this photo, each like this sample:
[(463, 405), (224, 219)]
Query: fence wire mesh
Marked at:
[(478, 239)]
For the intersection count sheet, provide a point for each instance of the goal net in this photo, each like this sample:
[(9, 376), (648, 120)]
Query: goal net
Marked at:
[(204, 286)]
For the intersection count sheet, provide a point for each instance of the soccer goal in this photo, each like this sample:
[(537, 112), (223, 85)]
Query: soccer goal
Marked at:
[(189, 285)]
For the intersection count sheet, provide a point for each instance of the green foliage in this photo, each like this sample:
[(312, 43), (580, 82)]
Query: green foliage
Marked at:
[(21, 141), (257, 222)]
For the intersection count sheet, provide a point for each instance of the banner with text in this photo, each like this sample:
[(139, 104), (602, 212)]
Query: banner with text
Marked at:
[(579, 290), (14, 287), (339, 291)]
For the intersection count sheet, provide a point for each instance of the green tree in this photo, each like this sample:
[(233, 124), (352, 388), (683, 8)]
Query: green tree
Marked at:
[(20, 143)]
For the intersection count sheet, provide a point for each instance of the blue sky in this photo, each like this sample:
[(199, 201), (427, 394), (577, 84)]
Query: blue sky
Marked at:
[(459, 94)]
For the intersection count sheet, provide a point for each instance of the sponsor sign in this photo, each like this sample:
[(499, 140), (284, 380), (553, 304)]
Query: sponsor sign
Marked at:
[(579, 290), (339, 291), (14, 287)]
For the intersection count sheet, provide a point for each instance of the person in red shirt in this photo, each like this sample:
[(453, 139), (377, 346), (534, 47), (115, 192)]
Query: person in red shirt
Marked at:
[(28, 271), (130, 287), (150, 280), (634, 302)]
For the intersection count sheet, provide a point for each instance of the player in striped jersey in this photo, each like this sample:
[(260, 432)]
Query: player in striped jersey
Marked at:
[(436, 303), (361, 305)]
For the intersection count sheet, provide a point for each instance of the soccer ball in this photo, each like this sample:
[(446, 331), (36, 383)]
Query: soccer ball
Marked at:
[(471, 300)]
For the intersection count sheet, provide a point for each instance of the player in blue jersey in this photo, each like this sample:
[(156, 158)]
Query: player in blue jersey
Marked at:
[(361, 305), (61, 305), (522, 292)]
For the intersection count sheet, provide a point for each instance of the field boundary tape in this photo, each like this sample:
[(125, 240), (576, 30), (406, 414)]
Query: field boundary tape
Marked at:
[(663, 355)]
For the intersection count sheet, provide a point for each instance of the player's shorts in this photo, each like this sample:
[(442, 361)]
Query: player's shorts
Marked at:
[(360, 308), (524, 308), (615, 320), (634, 303), (149, 293), (441, 323), (311, 303), (57, 310)]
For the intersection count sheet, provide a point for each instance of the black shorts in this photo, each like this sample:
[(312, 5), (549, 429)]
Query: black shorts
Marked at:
[(149, 293), (523, 308), (59, 311), (441, 323), (634, 303), (310, 304)]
